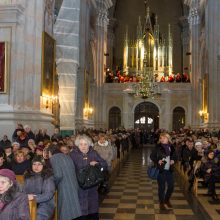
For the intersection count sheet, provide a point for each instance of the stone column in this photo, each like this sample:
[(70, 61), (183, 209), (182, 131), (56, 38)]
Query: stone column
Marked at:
[(67, 37), (213, 43), (185, 43), (101, 36), (194, 21), (110, 45), (83, 46)]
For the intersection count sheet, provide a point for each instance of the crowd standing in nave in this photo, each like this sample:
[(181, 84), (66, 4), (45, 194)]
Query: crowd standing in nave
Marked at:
[(52, 163)]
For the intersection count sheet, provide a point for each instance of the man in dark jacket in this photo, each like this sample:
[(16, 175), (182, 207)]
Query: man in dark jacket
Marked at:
[(5, 142), (189, 155)]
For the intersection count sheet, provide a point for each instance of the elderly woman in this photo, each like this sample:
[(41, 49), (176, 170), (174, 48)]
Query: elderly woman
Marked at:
[(104, 149), (39, 185), (82, 156), (13, 204)]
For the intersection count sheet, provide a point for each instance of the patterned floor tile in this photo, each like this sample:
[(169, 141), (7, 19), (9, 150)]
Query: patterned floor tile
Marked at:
[(133, 196)]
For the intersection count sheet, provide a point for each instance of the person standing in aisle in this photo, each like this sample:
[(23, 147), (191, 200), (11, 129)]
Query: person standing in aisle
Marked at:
[(164, 157)]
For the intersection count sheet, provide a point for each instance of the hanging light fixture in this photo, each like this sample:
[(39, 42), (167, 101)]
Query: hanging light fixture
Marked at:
[(146, 88)]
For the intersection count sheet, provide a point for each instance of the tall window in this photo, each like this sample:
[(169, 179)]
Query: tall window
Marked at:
[(178, 118), (114, 118)]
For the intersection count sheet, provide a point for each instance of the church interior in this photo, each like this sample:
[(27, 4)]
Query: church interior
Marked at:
[(132, 70)]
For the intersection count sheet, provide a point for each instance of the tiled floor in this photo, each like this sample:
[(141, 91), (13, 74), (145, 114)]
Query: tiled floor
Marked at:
[(133, 195)]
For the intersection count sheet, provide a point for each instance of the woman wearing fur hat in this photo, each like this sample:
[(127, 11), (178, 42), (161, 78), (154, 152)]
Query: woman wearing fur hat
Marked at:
[(13, 204), (39, 185)]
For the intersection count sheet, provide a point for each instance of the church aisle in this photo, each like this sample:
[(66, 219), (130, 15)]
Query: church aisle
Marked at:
[(133, 195)]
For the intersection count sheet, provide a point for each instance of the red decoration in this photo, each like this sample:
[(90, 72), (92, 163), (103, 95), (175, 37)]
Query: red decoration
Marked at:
[(162, 79), (171, 78)]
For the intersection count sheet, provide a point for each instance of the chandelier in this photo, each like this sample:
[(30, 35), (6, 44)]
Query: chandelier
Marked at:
[(145, 88)]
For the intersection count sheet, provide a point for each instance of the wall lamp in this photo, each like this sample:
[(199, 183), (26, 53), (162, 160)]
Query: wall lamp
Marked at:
[(203, 115)]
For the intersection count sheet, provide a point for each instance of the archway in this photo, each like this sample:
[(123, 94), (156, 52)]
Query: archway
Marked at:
[(146, 116), (178, 118), (114, 118)]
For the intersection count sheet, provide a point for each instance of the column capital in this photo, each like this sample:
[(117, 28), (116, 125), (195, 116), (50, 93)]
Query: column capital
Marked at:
[(102, 18), (194, 18), (104, 4)]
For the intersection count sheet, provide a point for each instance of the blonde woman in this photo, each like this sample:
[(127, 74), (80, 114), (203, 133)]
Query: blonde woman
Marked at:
[(164, 157)]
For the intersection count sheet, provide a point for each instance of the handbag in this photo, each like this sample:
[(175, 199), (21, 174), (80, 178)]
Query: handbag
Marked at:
[(153, 172), (90, 176)]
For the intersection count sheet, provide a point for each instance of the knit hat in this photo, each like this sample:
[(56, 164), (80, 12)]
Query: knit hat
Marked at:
[(39, 159), (8, 173)]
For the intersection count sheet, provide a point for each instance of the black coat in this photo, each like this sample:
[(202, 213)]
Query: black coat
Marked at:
[(215, 169), (159, 153), (20, 168), (5, 143), (189, 156)]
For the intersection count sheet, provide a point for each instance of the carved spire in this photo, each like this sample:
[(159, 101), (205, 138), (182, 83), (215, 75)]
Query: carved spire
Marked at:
[(126, 36), (148, 25), (156, 29), (139, 29)]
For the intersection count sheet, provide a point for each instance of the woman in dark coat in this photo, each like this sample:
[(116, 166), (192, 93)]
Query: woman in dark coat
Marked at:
[(67, 185), (39, 185), (82, 156), (20, 163), (13, 204), (164, 157), (211, 170)]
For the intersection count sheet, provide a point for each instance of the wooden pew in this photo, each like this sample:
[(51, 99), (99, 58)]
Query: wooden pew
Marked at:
[(33, 209), (199, 189), (56, 208), (20, 179)]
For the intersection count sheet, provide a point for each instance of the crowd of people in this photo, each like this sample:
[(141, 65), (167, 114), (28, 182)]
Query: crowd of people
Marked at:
[(199, 155), (50, 164)]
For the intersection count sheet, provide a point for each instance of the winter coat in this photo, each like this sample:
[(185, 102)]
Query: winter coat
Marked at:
[(89, 201), (159, 153), (17, 209), (30, 135), (4, 144), (44, 188), (210, 164), (20, 168), (189, 156), (106, 152), (67, 186)]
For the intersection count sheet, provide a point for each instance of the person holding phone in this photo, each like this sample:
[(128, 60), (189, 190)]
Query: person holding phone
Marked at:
[(164, 157)]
